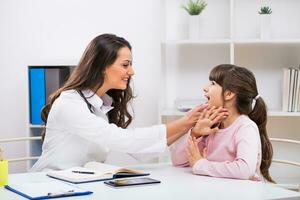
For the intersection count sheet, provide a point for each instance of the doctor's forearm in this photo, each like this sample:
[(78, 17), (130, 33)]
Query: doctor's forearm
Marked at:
[(176, 129)]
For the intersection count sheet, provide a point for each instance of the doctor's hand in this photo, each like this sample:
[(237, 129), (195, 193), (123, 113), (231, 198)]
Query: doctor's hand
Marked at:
[(209, 121), (175, 129), (192, 116)]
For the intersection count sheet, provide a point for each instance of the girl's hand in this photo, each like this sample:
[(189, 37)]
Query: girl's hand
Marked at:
[(193, 152), (209, 121)]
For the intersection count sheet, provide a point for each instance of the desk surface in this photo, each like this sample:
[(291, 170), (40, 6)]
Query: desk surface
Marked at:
[(176, 183)]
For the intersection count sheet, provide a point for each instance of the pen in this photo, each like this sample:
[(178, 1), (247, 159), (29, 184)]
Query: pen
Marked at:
[(83, 172)]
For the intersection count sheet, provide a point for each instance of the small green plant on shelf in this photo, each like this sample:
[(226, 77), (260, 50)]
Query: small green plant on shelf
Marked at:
[(265, 10), (195, 7)]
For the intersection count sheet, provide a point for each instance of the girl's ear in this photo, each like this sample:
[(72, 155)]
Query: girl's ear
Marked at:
[(228, 95)]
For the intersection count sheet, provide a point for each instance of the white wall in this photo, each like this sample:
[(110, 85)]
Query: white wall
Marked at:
[(56, 32)]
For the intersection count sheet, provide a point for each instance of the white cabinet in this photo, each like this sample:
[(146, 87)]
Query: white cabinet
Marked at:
[(231, 35)]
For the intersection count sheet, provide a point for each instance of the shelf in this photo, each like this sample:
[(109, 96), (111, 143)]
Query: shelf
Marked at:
[(204, 41), (283, 114), (270, 41), (176, 113), (36, 125), (235, 41)]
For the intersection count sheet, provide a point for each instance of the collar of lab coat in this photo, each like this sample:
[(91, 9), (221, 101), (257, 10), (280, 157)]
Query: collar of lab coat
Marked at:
[(103, 103)]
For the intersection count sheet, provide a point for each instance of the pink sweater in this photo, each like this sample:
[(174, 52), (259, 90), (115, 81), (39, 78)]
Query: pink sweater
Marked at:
[(233, 152)]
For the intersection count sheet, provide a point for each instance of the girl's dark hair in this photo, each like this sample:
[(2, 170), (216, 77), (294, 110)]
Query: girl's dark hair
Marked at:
[(241, 81), (101, 52)]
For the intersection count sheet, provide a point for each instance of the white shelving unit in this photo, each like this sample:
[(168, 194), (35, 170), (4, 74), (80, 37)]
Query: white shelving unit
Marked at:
[(231, 35), (34, 147)]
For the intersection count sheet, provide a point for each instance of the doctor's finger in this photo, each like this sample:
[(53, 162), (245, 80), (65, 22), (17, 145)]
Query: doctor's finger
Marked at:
[(209, 111), (197, 110), (201, 107), (218, 119), (203, 114), (215, 113)]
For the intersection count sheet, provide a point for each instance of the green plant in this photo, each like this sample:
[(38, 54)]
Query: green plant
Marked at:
[(265, 10), (195, 7)]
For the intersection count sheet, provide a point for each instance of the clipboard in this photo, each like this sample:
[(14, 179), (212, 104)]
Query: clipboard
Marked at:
[(46, 190)]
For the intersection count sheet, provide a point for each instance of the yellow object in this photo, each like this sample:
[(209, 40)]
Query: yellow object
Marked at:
[(3, 172)]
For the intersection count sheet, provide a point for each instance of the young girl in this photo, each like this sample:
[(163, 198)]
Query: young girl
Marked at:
[(240, 147)]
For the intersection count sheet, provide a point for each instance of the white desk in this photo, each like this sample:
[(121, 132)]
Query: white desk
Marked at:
[(176, 183)]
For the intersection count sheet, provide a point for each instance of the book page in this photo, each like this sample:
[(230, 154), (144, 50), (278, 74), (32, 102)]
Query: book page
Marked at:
[(101, 167), (72, 176), (106, 168)]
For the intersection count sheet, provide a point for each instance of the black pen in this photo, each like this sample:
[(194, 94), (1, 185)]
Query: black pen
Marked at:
[(83, 172)]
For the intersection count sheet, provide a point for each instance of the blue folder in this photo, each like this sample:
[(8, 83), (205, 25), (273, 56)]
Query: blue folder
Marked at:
[(37, 94), (46, 190)]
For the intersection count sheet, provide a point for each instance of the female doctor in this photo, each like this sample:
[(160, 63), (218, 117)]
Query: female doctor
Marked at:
[(88, 116)]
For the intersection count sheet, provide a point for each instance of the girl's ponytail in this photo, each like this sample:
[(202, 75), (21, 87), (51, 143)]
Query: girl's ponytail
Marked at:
[(259, 116)]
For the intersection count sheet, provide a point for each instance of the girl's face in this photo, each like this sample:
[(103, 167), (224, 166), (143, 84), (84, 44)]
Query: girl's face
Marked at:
[(213, 93), (117, 75)]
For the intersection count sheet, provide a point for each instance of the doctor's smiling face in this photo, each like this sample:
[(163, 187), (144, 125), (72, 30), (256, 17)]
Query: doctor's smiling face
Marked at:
[(117, 75)]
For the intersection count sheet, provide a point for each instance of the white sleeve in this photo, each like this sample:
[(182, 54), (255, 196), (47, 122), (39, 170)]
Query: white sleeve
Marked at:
[(74, 117)]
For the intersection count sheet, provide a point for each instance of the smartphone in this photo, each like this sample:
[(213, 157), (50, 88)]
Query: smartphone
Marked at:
[(119, 183)]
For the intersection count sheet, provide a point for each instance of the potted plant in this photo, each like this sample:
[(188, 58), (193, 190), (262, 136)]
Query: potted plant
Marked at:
[(194, 9), (265, 10), (265, 22)]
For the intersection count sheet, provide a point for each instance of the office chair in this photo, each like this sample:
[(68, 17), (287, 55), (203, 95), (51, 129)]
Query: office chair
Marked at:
[(294, 187)]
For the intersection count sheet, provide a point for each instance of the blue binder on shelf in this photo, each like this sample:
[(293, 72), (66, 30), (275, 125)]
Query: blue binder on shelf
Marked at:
[(46, 190), (37, 94), (43, 81)]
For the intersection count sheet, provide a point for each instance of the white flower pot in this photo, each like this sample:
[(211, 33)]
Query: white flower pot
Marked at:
[(265, 26), (194, 27)]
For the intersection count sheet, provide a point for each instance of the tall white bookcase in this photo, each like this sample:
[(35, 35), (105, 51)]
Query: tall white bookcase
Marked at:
[(230, 34)]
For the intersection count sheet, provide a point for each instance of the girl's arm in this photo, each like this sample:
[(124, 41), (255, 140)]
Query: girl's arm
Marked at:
[(243, 166), (178, 153)]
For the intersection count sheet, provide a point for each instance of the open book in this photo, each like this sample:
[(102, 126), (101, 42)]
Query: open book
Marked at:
[(94, 171)]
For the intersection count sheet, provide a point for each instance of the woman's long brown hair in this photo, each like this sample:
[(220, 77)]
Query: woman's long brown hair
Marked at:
[(242, 82), (101, 52)]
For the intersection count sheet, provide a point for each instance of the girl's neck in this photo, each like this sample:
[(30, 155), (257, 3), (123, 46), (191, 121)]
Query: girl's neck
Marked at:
[(233, 115)]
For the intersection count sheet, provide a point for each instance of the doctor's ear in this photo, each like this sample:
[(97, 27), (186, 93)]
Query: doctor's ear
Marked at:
[(228, 95)]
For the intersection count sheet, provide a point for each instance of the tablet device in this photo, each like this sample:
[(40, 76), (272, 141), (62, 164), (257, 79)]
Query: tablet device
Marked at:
[(119, 183)]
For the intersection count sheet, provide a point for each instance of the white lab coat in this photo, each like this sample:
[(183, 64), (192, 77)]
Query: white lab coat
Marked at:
[(75, 136)]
